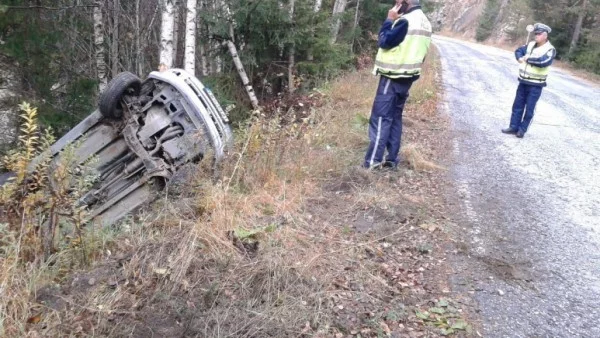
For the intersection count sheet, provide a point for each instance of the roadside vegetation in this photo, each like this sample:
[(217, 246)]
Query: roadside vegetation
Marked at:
[(575, 26), (288, 238)]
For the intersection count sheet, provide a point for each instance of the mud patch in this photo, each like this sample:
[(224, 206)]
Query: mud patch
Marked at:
[(508, 271), (354, 179)]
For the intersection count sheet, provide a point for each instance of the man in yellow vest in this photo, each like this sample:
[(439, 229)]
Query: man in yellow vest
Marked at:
[(535, 59), (404, 40)]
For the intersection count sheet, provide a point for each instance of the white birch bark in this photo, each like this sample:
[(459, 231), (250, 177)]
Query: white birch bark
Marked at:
[(316, 9), (101, 68), (318, 4), (230, 20), (338, 9), (189, 62), (240, 69), (166, 35)]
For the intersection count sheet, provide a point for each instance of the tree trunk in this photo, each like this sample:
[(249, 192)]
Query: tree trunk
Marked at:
[(166, 36), (203, 60), (318, 4), (577, 31), (338, 9), (138, 46), (316, 9), (101, 68), (176, 19), (240, 69), (114, 47), (292, 51), (355, 25), (189, 63)]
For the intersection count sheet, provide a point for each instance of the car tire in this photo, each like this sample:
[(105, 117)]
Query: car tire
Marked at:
[(124, 83)]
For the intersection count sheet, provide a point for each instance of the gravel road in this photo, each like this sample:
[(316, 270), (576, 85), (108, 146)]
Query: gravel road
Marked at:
[(529, 209)]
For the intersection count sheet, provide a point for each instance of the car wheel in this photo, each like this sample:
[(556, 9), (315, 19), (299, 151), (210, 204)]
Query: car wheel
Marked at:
[(110, 100)]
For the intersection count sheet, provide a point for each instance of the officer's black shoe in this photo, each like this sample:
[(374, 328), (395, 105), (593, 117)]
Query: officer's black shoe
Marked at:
[(390, 165), (520, 134), (509, 130)]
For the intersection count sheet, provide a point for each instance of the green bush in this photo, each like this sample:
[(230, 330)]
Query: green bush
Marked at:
[(487, 19)]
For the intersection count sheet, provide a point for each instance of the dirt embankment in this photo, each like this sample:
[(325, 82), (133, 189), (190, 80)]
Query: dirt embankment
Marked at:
[(459, 17)]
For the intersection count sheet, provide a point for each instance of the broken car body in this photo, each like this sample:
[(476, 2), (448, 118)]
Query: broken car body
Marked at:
[(141, 135)]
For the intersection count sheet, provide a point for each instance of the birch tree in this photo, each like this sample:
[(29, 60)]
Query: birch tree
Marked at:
[(166, 35), (338, 8), (101, 68), (242, 73), (189, 62), (316, 9)]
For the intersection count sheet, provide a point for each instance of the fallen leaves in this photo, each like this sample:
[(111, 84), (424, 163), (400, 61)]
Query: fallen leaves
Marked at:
[(444, 316)]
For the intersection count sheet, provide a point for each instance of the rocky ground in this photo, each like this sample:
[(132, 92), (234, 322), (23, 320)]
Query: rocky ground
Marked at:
[(529, 253)]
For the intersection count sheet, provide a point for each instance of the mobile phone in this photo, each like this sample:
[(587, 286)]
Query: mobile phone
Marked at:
[(403, 7)]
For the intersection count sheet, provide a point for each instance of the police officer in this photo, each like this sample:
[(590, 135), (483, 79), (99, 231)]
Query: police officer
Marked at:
[(535, 59), (404, 40)]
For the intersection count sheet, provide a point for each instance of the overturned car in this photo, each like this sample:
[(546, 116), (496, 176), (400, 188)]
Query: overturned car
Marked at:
[(142, 133)]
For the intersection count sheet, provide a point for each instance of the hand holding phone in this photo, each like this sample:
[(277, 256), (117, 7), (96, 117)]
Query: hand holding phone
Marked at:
[(393, 13)]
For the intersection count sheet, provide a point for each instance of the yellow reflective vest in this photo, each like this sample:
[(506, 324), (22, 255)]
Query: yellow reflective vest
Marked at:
[(406, 59), (532, 73)]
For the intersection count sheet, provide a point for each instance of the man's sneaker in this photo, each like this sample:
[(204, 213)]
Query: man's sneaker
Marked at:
[(509, 130), (520, 134)]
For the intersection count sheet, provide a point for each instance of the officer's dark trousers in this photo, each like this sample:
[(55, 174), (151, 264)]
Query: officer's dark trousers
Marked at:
[(385, 125), (525, 101)]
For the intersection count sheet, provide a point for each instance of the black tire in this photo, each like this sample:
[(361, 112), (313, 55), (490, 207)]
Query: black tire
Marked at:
[(110, 100)]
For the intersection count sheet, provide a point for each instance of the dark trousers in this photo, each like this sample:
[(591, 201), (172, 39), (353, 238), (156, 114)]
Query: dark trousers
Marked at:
[(525, 101), (385, 125)]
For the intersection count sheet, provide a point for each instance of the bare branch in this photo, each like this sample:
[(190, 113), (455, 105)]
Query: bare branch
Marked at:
[(49, 8)]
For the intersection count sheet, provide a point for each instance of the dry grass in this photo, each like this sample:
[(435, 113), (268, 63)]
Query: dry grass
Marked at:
[(416, 160), (267, 250)]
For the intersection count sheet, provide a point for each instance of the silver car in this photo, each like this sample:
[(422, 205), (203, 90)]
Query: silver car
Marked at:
[(142, 133)]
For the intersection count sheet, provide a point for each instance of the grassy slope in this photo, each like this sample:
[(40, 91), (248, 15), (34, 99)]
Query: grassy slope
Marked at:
[(334, 250)]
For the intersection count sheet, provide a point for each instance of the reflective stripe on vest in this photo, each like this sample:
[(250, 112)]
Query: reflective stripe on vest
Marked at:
[(406, 60), (532, 73)]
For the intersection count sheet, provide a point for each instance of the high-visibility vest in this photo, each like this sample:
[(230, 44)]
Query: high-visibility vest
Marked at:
[(532, 73), (406, 59)]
